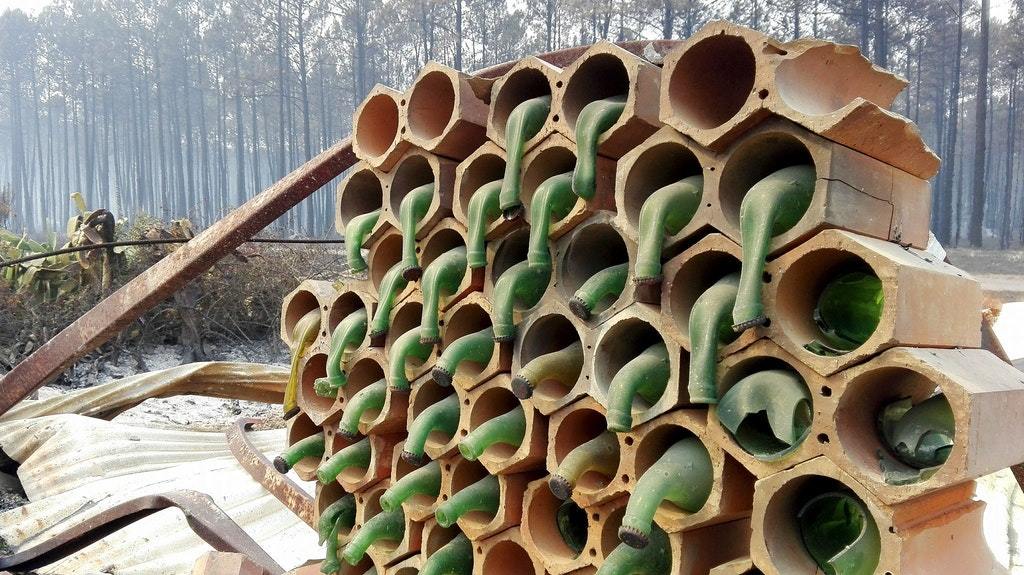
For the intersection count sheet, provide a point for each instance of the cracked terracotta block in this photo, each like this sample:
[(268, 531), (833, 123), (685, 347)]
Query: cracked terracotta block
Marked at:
[(768, 454), (557, 155), (622, 339), (529, 78), (984, 395), (851, 191), (470, 316), (925, 302), (688, 276), (665, 158), (419, 506), (386, 551), (447, 235), (505, 554), (375, 136), (703, 102), (741, 566), (606, 71), (384, 254), (939, 533), (495, 399), (360, 193), (417, 168), (458, 474), (446, 111), (308, 296), (426, 393), (853, 112), (699, 551), (483, 166), (578, 424), (546, 520), (551, 329), (312, 367), (407, 316), (732, 492), (595, 245), (300, 427)]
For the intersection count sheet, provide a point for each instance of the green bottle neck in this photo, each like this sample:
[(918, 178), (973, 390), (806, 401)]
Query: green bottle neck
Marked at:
[(455, 558), (604, 286), (646, 377), (663, 214), (384, 526), (682, 476), (355, 456), (476, 348), (303, 334), (520, 287), (551, 202), (599, 455), (337, 516), (483, 209), (442, 417), (355, 235), (408, 346), (423, 481), (523, 123), (710, 327), (594, 119), (654, 559), (771, 207), (390, 286), (508, 429), (483, 496), (369, 398), (411, 211), (351, 332), (441, 279), (563, 367), (312, 446), (767, 412)]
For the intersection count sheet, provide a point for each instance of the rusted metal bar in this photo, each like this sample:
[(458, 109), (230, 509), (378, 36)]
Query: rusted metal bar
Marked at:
[(262, 470), (168, 275), (207, 520)]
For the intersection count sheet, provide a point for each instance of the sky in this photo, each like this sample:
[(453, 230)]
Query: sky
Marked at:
[(1000, 8)]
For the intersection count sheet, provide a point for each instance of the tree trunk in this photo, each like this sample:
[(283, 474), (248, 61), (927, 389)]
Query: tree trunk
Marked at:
[(975, 228)]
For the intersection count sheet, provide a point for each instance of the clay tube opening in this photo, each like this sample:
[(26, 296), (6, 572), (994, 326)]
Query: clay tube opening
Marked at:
[(301, 429), (622, 343), (862, 403), (384, 255), (547, 334), (343, 306), (592, 248), (655, 168), (314, 368), (781, 526), (414, 171), (377, 124), (302, 303), (609, 536), (360, 193), (370, 503), (758, 434), (558, 528), (548, 162), (756, 158), (802, 297), (522, 85), (437, 537), (577, 428), (329, 493), (507, 557), (428, 393), (649, 450), (601, 76), (438, 243), (492, 403), (511, 250), (798, 81), (482, 169), (692, 279), (431, 105), (712, 81), (365, 371), (466, 473), (406, 317), (467, 319)]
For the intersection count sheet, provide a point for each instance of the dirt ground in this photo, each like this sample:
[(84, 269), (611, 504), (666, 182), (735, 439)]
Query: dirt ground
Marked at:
[(1001, 273)]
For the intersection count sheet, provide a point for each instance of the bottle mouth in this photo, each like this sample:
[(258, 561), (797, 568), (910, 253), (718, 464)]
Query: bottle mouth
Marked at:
[(281, 465), (441, 376), (412, 273), (619, 421), (521, 387), (633, 537), (560, 487), (579, 308), (416, 460)]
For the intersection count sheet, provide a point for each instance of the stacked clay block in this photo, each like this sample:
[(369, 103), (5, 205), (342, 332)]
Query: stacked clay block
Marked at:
[(634, 316)]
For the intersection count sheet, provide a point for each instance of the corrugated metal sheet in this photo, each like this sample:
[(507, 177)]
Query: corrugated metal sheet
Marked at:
[(74, 467)]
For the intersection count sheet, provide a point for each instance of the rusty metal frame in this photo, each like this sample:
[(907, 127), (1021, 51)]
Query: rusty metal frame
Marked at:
[(207, 520), (170, 274), (262, 470)]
